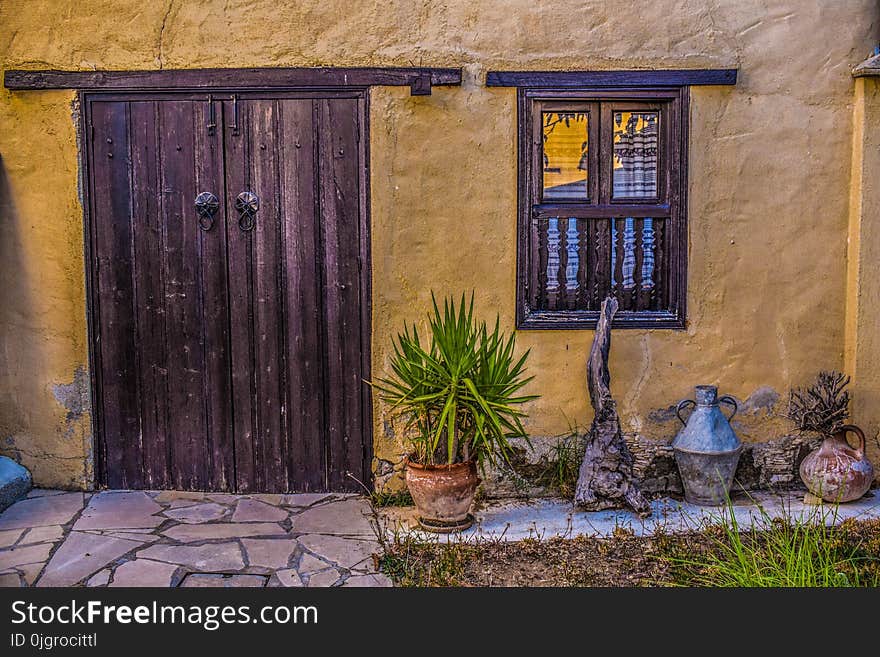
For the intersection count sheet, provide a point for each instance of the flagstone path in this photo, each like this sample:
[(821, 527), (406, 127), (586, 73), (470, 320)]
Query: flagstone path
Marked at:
[(169, 539)]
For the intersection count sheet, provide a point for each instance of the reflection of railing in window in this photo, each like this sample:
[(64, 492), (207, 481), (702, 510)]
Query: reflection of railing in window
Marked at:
[(635, 154), (581, 260)]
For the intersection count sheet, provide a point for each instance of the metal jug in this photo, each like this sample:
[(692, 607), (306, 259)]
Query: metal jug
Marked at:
[(706, 449)]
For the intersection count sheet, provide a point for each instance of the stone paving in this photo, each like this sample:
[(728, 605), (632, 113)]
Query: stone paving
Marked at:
[(545, 518), (170, 539)]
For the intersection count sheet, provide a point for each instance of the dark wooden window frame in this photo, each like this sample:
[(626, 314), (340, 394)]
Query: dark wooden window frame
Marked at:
[(665, 86), (671, 203)]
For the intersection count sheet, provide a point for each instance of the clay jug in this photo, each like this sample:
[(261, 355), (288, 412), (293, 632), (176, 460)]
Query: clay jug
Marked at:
[(835, 471)]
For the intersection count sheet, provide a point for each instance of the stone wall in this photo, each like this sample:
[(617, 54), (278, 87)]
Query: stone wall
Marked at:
[(772, 465)]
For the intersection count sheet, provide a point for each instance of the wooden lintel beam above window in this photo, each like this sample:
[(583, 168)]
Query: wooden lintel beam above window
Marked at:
[(653, 78), (420, 80)]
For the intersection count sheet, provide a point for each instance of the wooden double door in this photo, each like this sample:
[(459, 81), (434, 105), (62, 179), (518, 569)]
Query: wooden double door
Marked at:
[(229, 290)]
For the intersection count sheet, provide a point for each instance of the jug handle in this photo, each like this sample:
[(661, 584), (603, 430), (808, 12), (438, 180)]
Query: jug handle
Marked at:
[(681, 406), (851, 428), (727, 399)]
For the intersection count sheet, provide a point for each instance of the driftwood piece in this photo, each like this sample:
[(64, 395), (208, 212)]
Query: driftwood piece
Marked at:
[(606, 478)]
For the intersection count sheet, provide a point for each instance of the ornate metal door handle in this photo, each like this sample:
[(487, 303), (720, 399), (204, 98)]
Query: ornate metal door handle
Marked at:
[(247, 204), (207, 206)]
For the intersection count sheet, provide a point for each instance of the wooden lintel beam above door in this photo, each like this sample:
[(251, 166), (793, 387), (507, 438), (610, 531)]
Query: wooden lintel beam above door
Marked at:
[(656, 78), (420, 80)]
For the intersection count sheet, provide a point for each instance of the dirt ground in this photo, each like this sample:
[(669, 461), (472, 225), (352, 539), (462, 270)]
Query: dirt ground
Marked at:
[(622, 560)]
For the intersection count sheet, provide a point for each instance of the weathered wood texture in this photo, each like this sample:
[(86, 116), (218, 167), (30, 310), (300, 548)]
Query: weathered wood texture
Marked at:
[(418, 79), (230, 359), (606, 474), (659, 78)]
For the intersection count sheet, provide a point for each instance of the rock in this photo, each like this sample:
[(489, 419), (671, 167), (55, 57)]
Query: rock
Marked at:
[(309, 564), (287, 577), (304, 499), (197, 513), (193, 533), (376, 580), (271, 553), (20, 556), (255, 511), (132, 536), (120, 510), (214, 556), (43, 534), (44, 492), (170, 496), (9, 537), (42, 511), (812, 500), (344, 552), (144, 573), (15, 481), (324, 578), (10, 580), (269, 498), (99, 579), (210, 580), (82, 554), (30, 572), (349, 517)]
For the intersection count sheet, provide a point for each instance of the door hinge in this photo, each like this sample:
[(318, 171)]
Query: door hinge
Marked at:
[(234, 124), (212, 118)]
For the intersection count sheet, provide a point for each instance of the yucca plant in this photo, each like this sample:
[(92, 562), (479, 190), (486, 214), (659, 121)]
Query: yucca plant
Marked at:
[(458, 392)]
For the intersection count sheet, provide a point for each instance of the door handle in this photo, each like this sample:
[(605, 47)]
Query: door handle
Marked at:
[(247, 204), (206, 207)]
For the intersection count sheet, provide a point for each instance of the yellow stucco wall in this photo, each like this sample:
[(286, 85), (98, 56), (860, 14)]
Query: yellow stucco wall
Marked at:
[(863, 283), (768, 208)]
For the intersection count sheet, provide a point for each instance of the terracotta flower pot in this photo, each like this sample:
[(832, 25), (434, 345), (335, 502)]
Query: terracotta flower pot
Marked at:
[(443, 494)]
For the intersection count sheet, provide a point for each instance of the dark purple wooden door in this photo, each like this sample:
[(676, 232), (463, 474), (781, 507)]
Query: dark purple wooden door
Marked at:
[(231, 354)]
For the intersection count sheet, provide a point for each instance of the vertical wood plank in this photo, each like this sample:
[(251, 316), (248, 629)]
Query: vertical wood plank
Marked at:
[(150, 298), (303, 363), (241, 307), (339, 182), (112, 215), (217, 386), (183, 327), (266, 151), (366, 291)]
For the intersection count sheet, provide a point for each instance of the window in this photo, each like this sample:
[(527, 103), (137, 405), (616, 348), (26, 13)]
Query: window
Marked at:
[(602, 206)]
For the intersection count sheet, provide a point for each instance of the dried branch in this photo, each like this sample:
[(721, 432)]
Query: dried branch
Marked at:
[(822, 407)]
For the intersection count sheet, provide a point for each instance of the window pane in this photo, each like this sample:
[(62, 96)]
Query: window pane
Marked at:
[(635, 154), (566, 136)]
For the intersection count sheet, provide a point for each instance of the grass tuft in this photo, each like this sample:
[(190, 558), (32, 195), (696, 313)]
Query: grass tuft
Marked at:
[(776, 552)]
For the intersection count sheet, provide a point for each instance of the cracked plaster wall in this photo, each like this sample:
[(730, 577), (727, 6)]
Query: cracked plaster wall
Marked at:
[(768, 196)]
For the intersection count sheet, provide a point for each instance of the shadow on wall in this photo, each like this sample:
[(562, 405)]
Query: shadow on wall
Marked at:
[(21, 354)]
